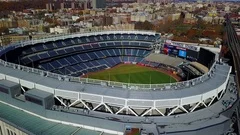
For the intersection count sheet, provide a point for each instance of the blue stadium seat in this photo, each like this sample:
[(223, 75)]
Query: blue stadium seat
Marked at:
[(69, 50), (128, 52), (39, 48), (68, 42), (118, 43), (111, 36), (52, 53), (125, 43), (101, 61), (151, 38), (140, 53), (94, 63), (104, 37), (49, 45), (84, 57), (34, 57), (61, 52), (59, 43), (28, 51), (77, 67), (134, 52), (71, 60), (118, 36), (47, 67), (95, 45), (92, 55), (83, 40), (116, 60), (131, 59), (78, 59), (124, 36), (102, 44), (87, 47), (132, 36), (26, 60), (138, 59), (78, 48), (118, 51), (99, 54), (134, 43), (125, 59), (43, 55), (145, 44), (64, 71), (110, 44), (63, 62), (92, 39), (111, 52), (105, 52), (55, 64), (89, 64), (75, 40), (141, 37)]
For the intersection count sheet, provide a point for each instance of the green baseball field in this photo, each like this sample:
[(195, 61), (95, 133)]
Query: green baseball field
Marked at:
[(129, 73)]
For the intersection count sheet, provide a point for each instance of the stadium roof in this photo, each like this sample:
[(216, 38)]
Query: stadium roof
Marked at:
[(38, 93), (36, 125), (7, 83)]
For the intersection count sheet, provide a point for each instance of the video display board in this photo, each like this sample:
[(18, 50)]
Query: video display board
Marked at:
[(170, 50), (175, 50), (182, 53)]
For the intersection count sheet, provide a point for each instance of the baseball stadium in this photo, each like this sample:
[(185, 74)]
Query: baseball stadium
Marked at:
[(115, 82)]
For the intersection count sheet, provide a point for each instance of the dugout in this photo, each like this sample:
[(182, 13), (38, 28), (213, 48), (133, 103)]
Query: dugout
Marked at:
[(39, 97)]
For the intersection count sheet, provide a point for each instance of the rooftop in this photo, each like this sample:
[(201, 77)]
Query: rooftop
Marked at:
[(38, 93), (35, 125)]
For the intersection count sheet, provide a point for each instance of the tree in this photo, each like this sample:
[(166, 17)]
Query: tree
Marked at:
[(3, 30), (144, 25)]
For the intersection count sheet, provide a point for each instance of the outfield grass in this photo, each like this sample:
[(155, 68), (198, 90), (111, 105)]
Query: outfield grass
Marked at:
[(129, 73)]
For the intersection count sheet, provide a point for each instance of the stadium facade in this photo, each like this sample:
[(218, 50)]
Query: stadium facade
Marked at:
[(42, 79)]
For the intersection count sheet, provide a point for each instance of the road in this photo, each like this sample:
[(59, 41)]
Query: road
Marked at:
[(234, 46)]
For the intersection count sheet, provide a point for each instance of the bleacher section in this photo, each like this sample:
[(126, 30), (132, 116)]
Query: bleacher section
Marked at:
[(200, 67), (45, 54), (190, 71), (79, 64), (94, 42), (78, 56), (164, 59)]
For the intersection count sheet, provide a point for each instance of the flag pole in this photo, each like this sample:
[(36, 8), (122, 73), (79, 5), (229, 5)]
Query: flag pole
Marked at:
[(128, 80), (150, 80), (109, 78), (87, 77)]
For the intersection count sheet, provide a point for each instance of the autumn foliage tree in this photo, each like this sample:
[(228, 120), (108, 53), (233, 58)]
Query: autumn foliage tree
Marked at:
[(23, 4), (144, 25)]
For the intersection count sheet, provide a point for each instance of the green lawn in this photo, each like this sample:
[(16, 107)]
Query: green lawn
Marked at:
[(129, 73)]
